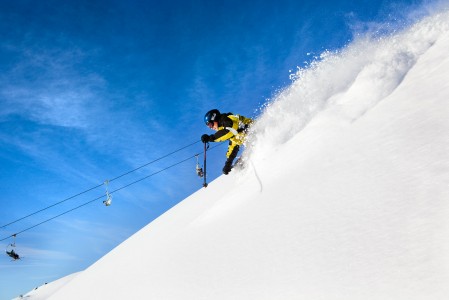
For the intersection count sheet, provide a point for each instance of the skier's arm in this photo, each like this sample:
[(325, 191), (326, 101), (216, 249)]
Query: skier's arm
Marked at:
[(221, 135)]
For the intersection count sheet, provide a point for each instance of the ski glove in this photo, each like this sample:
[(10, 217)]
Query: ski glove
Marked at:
[(227, 167), (205, 138)]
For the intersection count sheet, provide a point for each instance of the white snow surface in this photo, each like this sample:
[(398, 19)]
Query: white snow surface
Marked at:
[(345, 194), (46, 290)]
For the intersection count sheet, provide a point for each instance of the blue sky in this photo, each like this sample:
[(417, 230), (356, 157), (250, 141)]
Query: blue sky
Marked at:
[(90, 90)]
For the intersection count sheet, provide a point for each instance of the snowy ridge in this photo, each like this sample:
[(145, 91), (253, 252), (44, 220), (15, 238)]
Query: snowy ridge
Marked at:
[(46, 290), (344, 195)]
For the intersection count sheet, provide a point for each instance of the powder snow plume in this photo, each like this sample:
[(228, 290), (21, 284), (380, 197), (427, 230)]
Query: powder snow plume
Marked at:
[(371, 66)]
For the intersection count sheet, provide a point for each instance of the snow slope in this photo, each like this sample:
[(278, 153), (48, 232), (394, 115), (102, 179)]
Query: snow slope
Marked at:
[(46, 290), (345, 193)]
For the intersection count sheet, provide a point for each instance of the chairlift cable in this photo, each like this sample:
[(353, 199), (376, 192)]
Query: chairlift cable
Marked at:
[(100, 197), (95, 187)]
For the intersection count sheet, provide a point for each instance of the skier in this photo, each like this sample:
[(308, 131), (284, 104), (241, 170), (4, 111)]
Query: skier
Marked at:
[(13, 254), (228, 127)]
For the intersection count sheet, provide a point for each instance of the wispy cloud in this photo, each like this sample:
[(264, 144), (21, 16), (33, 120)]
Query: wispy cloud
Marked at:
[(39, 257), (46, 87), (50, 89), (44, 253), (108, 235)]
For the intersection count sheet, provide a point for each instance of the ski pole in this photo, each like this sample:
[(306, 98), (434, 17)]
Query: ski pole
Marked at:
[(205, 150)]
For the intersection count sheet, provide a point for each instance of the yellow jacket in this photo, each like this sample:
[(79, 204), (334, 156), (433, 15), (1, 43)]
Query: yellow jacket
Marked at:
[(232, 128)]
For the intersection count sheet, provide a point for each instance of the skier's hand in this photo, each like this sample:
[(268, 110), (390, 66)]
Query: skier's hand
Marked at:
[(227, 168), (205, 138)]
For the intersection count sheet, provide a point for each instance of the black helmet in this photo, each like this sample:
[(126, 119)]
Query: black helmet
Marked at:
[(211, 116)]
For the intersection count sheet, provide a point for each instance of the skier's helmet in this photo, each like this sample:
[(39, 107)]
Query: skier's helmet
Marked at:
[(211, 116)]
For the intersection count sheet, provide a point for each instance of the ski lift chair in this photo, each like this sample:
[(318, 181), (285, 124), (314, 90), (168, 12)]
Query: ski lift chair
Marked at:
[(11, 253)]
